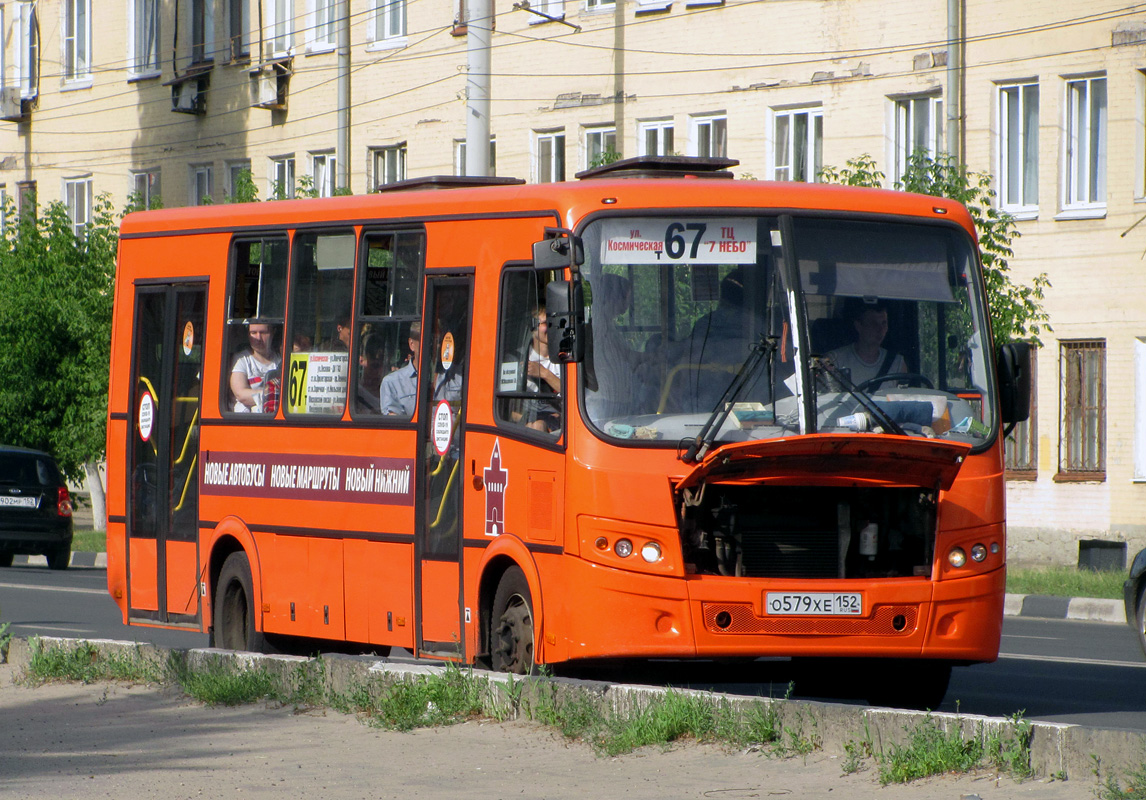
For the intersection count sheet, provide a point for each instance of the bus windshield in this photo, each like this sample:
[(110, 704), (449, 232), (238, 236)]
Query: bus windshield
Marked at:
[(772, 326)]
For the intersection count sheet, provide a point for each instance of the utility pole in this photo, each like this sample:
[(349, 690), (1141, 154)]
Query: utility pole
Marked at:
[(954, 102), (342, 143), (478, 35)]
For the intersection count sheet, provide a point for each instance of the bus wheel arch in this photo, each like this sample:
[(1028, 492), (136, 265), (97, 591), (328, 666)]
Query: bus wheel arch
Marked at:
[(229, 568), (506, 575)]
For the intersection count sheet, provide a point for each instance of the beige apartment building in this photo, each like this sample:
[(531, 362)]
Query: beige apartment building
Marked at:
[(175, 99)]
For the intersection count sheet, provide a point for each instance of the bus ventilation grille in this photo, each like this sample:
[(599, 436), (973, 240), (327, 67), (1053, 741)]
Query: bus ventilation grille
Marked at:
[(740, 618), (790, 554)]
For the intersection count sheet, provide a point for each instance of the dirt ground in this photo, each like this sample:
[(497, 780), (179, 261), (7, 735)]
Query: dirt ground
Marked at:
[(116, 741)]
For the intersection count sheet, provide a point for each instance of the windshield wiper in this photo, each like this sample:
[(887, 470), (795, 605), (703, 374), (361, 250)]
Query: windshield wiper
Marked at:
[(762, 352), (866, 400)]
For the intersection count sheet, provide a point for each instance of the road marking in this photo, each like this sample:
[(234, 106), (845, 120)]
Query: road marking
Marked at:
[(1059, 660), (1045, 638), (33, 626), (71, 589)]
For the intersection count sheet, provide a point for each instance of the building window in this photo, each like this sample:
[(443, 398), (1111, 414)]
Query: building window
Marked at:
[(25, 58), (600, 5), (280, 25), (918, 128), (321, 34), (77, 36), (202, 184), (144, 40), (709, 137), (238, 27), (1019, 147), (239, 185), (388, 164), (1021, 447), (202, 30), (281, 174), (460, 156), (548, 157), (78, 199), (1085, 180), (798, 142), (600, 146), (388, 22), (655, 137), (1082, 441), (323, 172), (144, 189)]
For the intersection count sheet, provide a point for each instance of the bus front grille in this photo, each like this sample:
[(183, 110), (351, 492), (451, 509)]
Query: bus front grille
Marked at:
[(790, 554)]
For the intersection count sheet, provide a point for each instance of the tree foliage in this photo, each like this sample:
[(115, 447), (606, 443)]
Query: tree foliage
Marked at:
[(55, 325), (1016, 310)]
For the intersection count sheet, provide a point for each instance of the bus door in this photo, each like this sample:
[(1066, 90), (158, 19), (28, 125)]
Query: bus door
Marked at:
[(441, 414), (163, 457)]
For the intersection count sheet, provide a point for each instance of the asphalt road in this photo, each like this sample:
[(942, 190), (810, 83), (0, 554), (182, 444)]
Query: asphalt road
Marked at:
[(1087, 673)]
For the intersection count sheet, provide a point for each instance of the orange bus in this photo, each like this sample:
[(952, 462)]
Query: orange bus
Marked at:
[(654, 412)]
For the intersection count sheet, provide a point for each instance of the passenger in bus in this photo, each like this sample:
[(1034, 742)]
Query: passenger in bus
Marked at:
[(865, 359), (254, 366), (542, 378), (343, 330), (372, 368), (399, 389)]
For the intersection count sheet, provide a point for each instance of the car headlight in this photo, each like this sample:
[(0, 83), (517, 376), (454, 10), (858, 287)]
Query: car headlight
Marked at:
[(651, 552), (957, 557)]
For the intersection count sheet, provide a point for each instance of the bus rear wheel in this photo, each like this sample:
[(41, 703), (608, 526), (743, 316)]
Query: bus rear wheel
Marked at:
[(234, 611), (511, 634)]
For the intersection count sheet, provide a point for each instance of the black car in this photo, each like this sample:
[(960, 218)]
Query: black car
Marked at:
[(35, 508), (1134, 593)]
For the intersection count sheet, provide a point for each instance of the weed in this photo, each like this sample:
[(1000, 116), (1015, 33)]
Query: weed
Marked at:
[(1065, 582), (444, 698), (220, 683), (85, 663), (307, 686), (5, 640), (856, 753), (930, 751), (1010, 751), (1111, 788)]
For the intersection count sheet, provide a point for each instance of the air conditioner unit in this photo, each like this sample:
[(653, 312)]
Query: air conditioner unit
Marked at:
[(189, 97), (269, 84), (13, 107)]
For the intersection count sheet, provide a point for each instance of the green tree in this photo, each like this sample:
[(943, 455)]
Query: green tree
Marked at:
[(1016, 310), (55, 323), (244, 189)]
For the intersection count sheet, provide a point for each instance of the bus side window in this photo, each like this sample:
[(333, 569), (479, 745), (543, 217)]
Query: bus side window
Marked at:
[(317, 370), (389, 303), (529, 385), (256, 306)]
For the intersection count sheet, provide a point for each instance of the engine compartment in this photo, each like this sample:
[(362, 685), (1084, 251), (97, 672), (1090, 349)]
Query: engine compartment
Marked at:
[(779, 531)]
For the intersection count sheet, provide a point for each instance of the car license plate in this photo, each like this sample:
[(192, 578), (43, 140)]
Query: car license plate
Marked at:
[(19, 502), (848, 604)]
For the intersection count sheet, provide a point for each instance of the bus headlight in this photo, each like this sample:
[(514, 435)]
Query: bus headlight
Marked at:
[(957, 557), (978, 552), (623, 548), (651, 552)]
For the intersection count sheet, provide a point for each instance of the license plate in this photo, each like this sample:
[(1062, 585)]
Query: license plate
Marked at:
[(19, 502), (828, 604)]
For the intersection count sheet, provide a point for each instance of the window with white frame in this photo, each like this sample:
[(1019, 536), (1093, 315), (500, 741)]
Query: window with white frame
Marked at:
[(388, 164), (599, 5), (600, 146), (554, 9), (238, 178), (78, 200), (77, 39), (323, 172), (144, 38), (25, 50), (281, 178), (797, 144), (460, 156), (1019, 147), (548, 156), (201, 184), (144, 188), (280, 25), (708, 137), (321, 33), (1085, 161), (918, 127), (387, 25), (238, 29), (202, 31), (655, 137)]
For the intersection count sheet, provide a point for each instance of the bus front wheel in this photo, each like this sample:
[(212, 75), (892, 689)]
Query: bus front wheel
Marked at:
[(234, 611), (511, 634)]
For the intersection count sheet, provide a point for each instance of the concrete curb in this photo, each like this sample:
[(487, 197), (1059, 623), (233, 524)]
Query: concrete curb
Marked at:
[(1090, 609), (97, 560), (1057, 749)]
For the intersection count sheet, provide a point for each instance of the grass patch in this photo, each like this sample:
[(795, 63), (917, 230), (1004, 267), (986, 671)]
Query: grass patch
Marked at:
[(1112, 788), (89, 541), (85, 663), (933, 750), (1065, 582)]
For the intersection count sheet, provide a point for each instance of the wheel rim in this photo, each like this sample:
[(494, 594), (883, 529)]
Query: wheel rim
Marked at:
[(513, 648), (235, 617)]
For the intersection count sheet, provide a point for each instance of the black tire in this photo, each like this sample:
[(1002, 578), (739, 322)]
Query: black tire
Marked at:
[(915, 684), (511, 625), (60, 557), (233, 612), (6, 559), (1140, 619)]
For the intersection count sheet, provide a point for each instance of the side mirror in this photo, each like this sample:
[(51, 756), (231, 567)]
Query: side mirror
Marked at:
[(1013, 373), (558, 250), (565, 307)]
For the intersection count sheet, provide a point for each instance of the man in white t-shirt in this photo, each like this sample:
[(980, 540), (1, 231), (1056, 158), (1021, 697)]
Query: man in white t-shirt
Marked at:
[(541, 377), (864, 359), (252, 367)]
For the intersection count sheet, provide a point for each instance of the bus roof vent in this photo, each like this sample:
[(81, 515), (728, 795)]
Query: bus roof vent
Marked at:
[(448, 182), (662, 167)]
